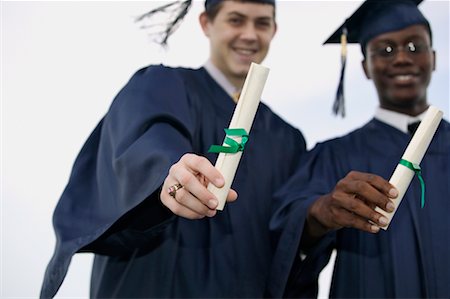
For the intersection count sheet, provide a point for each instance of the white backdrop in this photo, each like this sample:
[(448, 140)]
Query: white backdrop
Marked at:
[(63, 62)]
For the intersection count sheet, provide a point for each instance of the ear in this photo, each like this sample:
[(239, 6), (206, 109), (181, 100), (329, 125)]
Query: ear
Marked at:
[(365, 68), (204, 23), (275, 29), (434, 60)]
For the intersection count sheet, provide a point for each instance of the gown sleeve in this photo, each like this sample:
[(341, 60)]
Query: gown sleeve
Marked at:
[(110, 204), (292, 275)]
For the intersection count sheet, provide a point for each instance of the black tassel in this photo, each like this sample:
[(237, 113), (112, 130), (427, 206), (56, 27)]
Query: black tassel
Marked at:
[(339, 102), (176, 12)]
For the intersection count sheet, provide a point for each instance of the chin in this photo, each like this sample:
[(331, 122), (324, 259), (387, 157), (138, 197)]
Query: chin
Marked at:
[(405, 103), (407, 98), (241, 71)]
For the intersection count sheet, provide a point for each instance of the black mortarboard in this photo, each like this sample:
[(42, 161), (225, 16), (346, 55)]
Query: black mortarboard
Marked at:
[(372, 18), (176, 11)]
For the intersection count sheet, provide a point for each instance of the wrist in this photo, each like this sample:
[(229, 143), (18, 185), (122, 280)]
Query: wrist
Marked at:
[(314, 229)]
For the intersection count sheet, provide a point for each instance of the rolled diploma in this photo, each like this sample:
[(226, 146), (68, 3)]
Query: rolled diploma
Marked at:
[(402, 176), (243, 117)]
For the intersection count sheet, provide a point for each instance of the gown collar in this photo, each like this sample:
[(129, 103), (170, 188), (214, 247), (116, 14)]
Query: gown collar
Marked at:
[(397, 120), (220, 78)]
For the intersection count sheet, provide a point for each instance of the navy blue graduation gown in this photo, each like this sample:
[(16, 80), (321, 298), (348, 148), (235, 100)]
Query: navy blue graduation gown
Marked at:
[(409, 260), (111, 204)]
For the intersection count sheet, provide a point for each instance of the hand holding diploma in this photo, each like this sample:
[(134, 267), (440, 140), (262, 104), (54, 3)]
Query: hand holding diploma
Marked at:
[(185, 192), (352, 204), (195, 188), (409, 163), (366, 201)]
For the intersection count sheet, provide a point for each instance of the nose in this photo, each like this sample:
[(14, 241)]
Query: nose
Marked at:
[(402, 56), (249, 32)]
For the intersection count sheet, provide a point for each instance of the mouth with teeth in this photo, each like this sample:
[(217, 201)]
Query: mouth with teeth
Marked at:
[(245, 54), (404, 79)]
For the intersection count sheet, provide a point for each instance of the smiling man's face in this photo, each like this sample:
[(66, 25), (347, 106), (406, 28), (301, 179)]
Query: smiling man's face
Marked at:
[(240, 34), (400, 63)]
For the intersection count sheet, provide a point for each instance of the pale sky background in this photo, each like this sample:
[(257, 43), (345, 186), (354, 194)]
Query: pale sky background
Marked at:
[(63, 62)]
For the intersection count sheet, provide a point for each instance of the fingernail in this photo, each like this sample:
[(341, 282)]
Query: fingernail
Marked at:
[(390, 207), (374, 228), (219, 182), (212, 203), (383, 220), (393, 192)]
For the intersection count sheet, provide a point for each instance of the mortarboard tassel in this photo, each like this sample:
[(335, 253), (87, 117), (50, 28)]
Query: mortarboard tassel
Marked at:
[(339, 104), (177, 11)]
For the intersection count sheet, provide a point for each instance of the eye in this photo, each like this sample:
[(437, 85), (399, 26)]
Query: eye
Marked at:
[(389, 50), (384, 51), (417, 47), (411, 47), (263, 24), (235, 21)]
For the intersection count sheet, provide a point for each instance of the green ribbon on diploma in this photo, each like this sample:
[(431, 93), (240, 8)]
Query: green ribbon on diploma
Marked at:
[(233, 145), (416, 168)]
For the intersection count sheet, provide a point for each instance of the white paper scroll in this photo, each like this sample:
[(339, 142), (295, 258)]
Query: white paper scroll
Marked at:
[(402, 176), (243, 117)]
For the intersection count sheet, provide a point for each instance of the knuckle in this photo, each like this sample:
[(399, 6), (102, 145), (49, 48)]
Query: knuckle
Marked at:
[(183, 158), (335, 214), (173, 168), (340, 184), (359, 185), (201, 161), (381, 200), (179, 199), (353, 174), (336, 197), (175, 209), (353, 206), (188, 159), (188, 156), (185, 179), (362, 187), (367, 226), (333, 199), (371, 177), (374, 217), (164, 201)]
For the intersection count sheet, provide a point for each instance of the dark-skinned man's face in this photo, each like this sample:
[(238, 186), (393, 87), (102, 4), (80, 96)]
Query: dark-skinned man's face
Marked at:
[(400, 64)]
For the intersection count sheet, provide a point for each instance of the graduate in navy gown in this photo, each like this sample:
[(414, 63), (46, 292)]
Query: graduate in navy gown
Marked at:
[(329, 203), (137, 194)]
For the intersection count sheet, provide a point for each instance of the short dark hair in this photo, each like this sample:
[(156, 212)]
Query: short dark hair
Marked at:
[(212, 10)]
